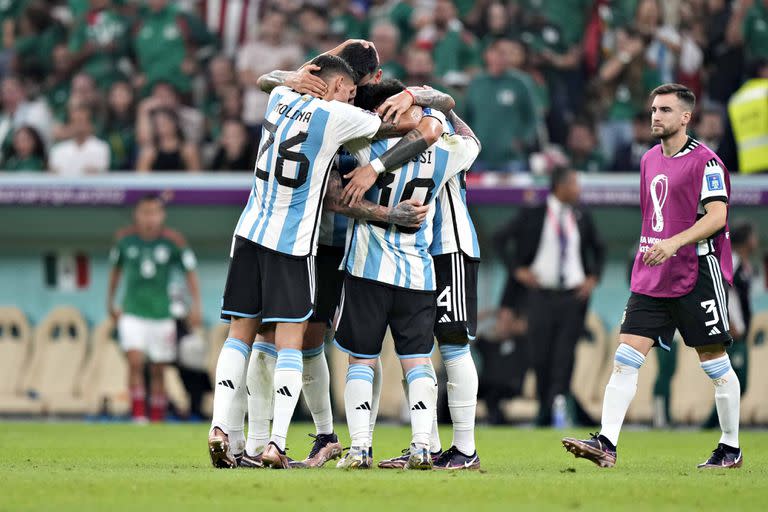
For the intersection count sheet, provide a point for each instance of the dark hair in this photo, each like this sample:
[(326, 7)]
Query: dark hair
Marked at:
[(370, 96), (683, 93), (741, 231), (39, 147), (558, 177), (130, 111), (174, 117), (150, 196), (362, 60), (331, 65)]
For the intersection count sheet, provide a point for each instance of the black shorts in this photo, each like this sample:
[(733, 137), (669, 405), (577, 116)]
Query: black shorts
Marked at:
[(456, 318), (701, 316), (269, 285), (367, 308), (329, 282)]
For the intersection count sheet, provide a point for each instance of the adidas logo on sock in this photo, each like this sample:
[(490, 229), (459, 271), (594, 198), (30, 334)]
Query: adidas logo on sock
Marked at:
[(284, 391), (365, 406), (419, 406), (226, 384), (714, 331), (445, 319)]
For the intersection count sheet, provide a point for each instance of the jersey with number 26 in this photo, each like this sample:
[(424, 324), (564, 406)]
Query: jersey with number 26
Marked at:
[(300, 137), (396, 255)]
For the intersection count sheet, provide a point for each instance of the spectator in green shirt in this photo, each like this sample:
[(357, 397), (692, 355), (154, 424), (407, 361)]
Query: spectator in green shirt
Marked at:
[(39, 33), (455, 50), (27, 152), (119, 126), (99, 41), (582, 148), (749, 26), (57, 84), (164, 47), (386, 38), (502, 112)]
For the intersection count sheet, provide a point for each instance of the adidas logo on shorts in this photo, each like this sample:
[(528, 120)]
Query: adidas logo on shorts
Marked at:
[(714, 331)]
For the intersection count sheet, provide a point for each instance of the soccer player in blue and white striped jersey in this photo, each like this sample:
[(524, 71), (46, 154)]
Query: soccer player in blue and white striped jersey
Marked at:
[(391, 282), (275, 242)]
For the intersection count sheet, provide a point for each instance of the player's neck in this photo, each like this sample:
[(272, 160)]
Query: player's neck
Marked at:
[(673, 144), (148, 234)]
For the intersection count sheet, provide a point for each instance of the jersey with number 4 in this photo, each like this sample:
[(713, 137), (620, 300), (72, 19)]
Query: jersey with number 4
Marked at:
[(300, 137), (396, 255)]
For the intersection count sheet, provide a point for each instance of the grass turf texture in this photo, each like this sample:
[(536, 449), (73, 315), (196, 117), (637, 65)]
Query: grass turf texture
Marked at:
[(114, 467)]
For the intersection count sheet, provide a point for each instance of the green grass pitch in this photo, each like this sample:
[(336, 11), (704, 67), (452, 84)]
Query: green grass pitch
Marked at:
[(115, 467)]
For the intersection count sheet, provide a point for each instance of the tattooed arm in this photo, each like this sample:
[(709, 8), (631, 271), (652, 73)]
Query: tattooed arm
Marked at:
[(409, 121), (461, 127), (407, 213), (396, 105), (301, 81), (409, 146)]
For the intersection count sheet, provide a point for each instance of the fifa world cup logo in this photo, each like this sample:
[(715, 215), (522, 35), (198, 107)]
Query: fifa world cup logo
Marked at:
[(659, 190)]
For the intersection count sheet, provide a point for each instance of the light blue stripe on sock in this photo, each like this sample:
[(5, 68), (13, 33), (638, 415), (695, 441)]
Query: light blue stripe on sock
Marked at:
[(629, 356), (449, 352), (312, 352), (289, 358), (717, 368), (236, 344), (268, 348), (419, 372), (360, 372)]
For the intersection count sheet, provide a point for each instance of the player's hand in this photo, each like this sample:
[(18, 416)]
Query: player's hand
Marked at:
[(660, 252), (585, 290), (525, 276), (360, 180), (304, 82), (410, 214), (194, 318), (395, 106)]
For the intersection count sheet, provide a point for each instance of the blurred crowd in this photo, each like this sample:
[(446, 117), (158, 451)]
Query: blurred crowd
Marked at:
[(117, 85)]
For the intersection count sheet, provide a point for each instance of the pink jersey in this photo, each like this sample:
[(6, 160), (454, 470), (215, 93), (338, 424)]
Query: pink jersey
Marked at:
[(671, 202)]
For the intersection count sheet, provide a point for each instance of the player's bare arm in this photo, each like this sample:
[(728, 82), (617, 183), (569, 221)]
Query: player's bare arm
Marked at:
[(407, 213), (195, 311), (712, 222), (412, 144), (398, 104), (301, 81), (409, 121), (462, 128), (114, 279)]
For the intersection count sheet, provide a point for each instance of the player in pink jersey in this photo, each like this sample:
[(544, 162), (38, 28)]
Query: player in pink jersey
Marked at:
[(679, 278)]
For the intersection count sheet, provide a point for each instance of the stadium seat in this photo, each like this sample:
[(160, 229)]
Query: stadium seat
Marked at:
[(61, 348), (16, 351), (693, 394), (106, 374), (754, 405)]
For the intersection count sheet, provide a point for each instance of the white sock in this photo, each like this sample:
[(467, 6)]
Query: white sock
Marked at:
[(317, 389), (358, 395), (462, 395), (422, 400), (236, 418), (434, 436), (377, 377), (230, 372), (261, 372), (620, 390), (727, 397), (288, 370)]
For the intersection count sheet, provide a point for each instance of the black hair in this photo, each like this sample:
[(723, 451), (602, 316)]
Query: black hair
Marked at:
[(38, 148), (150, 196), (174, 117), (331, 65), (682, 92), (741, 231), (370, 96), (362, 60), (558, 177)]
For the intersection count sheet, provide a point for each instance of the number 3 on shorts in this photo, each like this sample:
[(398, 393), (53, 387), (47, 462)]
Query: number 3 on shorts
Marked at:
[(710, 308)]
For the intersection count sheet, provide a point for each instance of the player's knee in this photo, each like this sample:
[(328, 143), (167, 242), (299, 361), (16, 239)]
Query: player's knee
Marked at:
[(451, 335), (453, 351)]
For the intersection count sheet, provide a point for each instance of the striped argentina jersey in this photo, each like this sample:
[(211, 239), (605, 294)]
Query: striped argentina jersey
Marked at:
[(396, 255), (300, 137), (333, 226)]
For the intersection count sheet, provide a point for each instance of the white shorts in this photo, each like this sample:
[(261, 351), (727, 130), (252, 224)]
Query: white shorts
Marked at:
[(156, 338)]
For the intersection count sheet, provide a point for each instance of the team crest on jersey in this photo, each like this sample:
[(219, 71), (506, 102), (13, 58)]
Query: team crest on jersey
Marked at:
[(714, 182), (162, 254), (659, 190)]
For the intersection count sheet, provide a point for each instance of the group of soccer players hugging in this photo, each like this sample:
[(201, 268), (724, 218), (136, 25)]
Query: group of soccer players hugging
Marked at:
[(356, 222)]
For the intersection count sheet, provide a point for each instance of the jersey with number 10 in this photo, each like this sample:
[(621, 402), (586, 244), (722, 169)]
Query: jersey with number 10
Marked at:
[(396, 255), (300, 137)]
